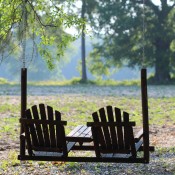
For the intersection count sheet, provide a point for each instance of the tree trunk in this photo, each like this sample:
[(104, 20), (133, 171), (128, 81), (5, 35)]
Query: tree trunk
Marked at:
[(83, 49), (162, 64), (162, 44)]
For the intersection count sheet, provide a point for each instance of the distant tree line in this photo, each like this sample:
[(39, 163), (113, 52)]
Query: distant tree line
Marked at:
[(117, 24)]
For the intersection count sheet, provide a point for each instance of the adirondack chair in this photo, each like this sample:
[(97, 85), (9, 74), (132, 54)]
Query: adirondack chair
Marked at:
[(44, 132), (113, 135)]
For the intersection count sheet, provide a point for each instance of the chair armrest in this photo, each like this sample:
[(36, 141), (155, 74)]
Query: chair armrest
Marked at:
[(105, 124), (139, 135), (36, 121)]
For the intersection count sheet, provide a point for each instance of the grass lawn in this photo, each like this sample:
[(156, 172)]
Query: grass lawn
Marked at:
[(76, 108)]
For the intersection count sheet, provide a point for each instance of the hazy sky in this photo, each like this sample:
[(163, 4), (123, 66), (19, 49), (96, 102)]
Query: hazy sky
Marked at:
[(157, 2)]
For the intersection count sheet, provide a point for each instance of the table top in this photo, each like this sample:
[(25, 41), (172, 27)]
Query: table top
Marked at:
[(81, 133)]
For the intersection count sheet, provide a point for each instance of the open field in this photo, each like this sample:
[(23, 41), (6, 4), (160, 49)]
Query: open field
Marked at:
[(76, 103)]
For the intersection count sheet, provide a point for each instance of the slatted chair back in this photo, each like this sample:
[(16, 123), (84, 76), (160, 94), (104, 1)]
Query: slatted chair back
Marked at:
[(112, 132), (44, 130)]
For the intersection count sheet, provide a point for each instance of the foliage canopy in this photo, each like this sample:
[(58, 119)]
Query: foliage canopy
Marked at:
[(44, 24), (119, 25)]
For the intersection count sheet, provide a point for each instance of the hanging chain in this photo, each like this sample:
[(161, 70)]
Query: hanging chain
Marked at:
[(143, 35), (24, 27)]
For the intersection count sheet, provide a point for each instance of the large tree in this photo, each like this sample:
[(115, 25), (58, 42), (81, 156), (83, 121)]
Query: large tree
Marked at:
[(87, 7), (119, 24), (43, 21)]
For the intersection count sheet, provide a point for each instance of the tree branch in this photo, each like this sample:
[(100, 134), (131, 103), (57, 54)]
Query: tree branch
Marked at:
[(164, 2), (150, 4), (38, 17)]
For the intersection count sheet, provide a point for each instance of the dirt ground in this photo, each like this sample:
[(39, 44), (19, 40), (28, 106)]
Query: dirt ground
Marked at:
[(161, 163), (161, 137)]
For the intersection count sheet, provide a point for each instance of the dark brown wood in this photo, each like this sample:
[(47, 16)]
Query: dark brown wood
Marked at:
[(51, 127), (106, 124), (99, 129), (125, 133), (44, 126), (35, 121), (32, 127), (63, 140), (83, 147), (38, 126), (78, 139), (127, 130), (132, 145), (151, 148), (112, 128), (112, 136), (57, 115), (28, 139), (119, 128), (56, 133), (80, 135), (105, 129), (145, 114), (84, 159), (23, 105), (96, 140)]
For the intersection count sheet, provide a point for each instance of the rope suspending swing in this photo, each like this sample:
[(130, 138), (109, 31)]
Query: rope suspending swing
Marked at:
[(24, 33), (143, 36)]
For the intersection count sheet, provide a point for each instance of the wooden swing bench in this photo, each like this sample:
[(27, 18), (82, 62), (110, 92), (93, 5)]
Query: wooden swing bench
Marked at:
[(110, 136)]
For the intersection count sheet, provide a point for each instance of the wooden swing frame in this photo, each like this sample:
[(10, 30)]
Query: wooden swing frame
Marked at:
[(144, 133)]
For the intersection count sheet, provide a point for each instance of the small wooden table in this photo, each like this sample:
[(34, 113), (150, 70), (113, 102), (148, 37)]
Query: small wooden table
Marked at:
[(81, 134)]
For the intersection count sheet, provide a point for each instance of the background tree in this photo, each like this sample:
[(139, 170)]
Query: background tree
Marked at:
[(87, 7), (45, 22), (119, 25)]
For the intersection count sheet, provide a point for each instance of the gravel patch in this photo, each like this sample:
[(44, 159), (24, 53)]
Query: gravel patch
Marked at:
[(161, 163), (129, 91)]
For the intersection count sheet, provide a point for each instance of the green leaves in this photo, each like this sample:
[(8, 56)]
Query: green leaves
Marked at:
[(45, 23), (119, 25)]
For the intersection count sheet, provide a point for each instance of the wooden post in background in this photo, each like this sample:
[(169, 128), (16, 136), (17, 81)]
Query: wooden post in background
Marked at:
[(23, 105), (145, 114)]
